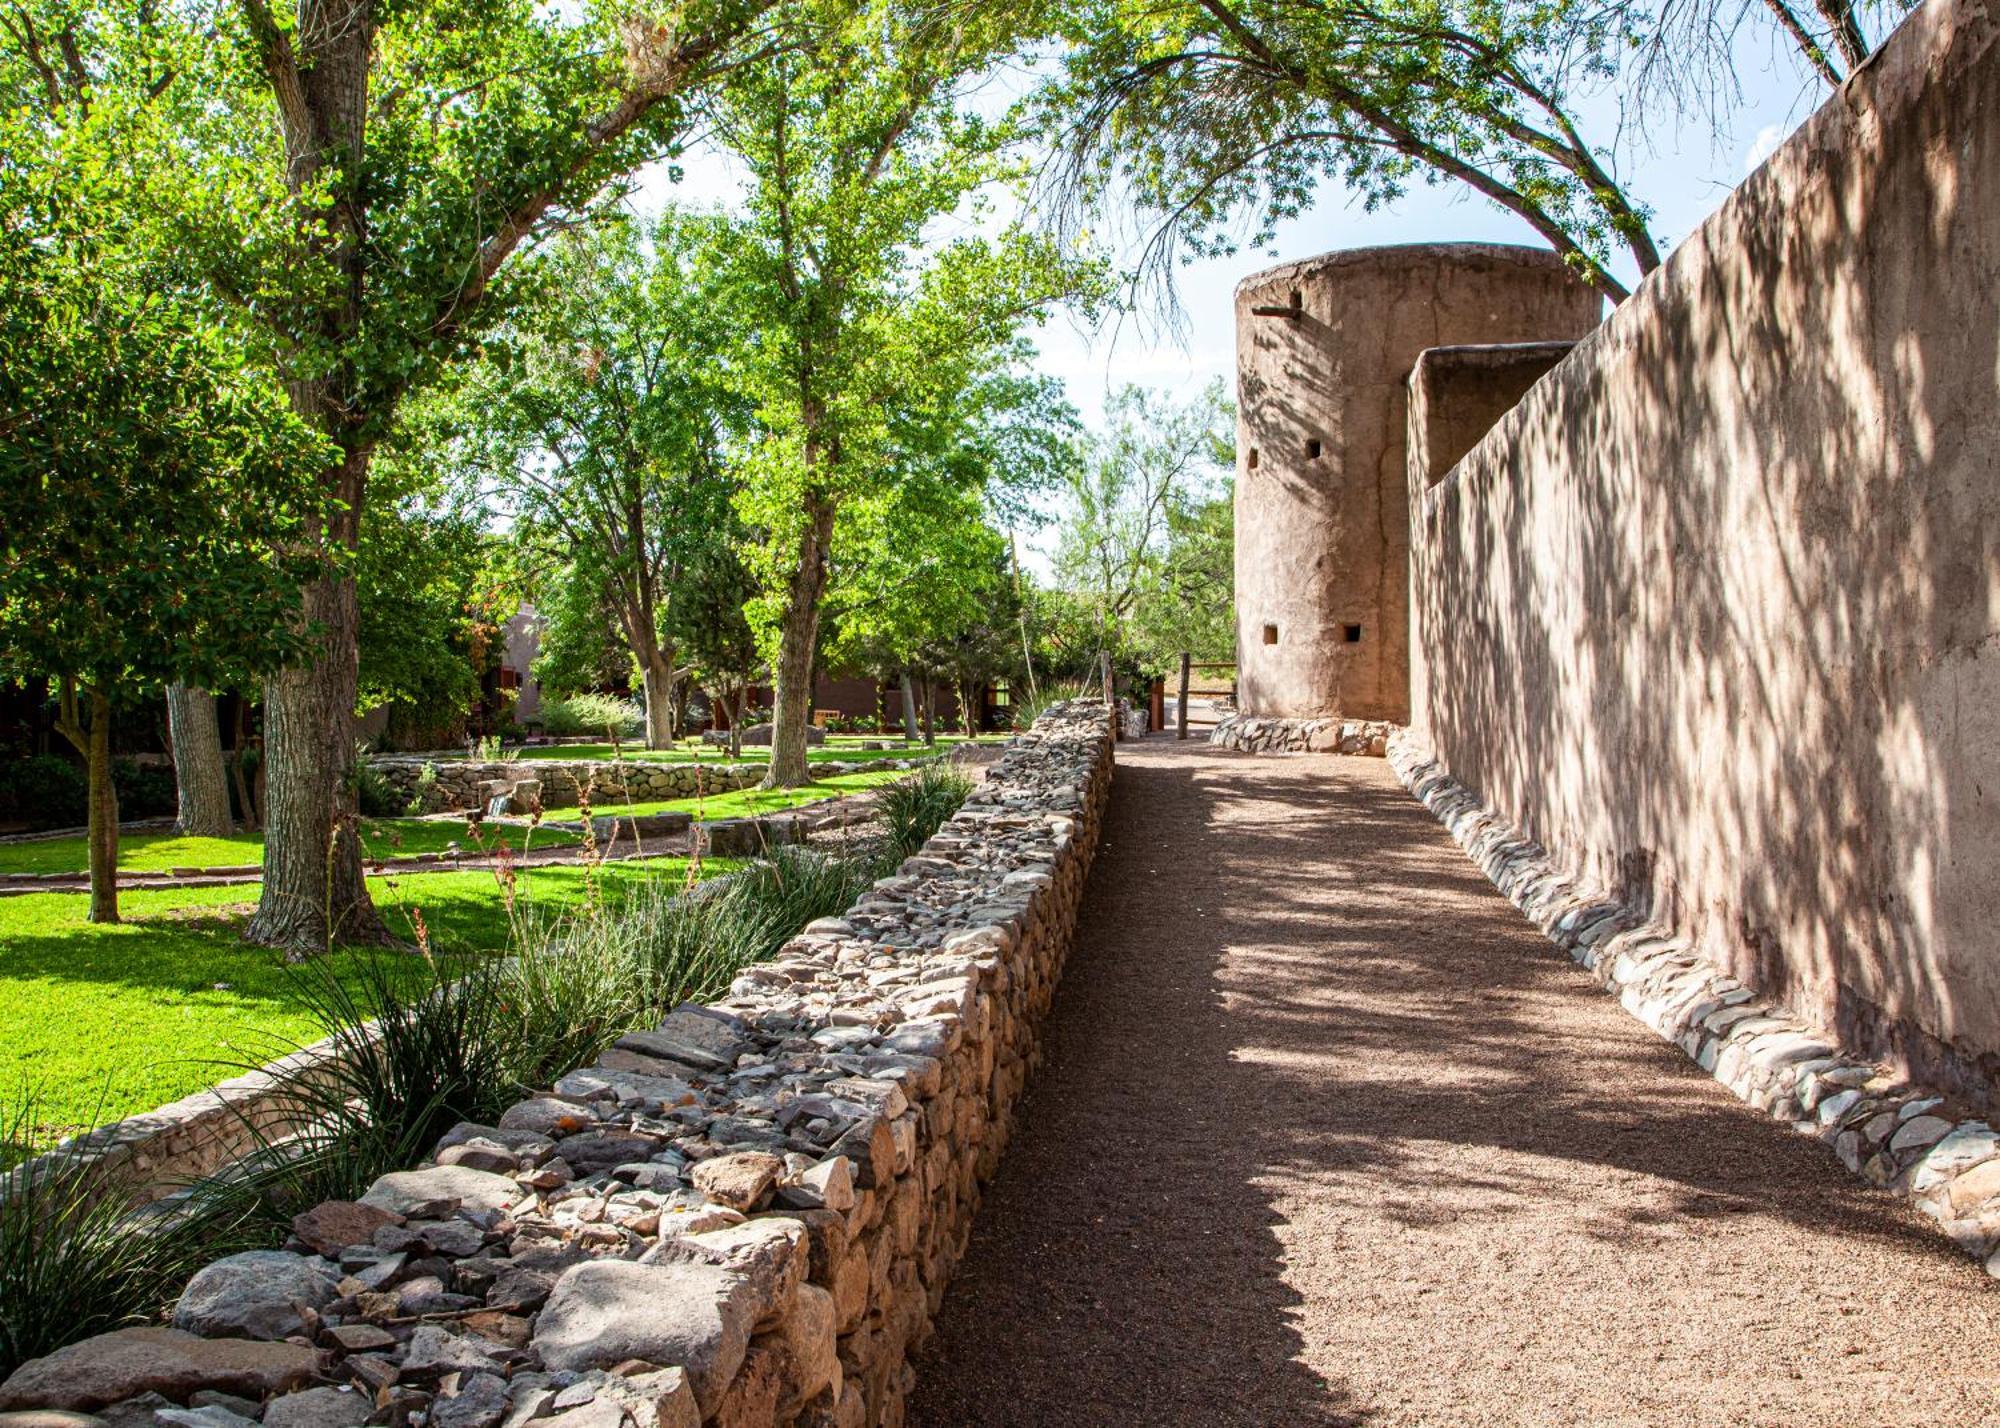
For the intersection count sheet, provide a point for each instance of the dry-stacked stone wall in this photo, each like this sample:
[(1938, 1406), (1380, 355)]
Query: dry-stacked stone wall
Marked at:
[(461, 784), (746, 1216), (1903, 1137), (1254, 734)]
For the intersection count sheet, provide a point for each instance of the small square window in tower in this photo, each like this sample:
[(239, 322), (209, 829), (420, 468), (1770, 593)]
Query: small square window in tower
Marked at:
[(1351, 633), (1252, 462), (1312, 448), (1270, 634)]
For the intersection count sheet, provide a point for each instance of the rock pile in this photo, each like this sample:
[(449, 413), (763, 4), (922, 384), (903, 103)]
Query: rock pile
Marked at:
[(1901, 1137), (744, 1217), (1254, 735)]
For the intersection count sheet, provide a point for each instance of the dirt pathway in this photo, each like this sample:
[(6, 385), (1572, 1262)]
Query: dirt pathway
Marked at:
[(1328, 1134)]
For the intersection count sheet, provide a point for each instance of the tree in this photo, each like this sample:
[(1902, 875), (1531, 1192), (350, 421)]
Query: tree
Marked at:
[(150, 506), (201, 780), (608, 424), (357, 192), (1203, 109), (1155, 468), (856, 144)]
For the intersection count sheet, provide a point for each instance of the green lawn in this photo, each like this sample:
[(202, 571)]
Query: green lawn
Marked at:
[(101, 1022), (839, 748), (745, 801), (161, 852)]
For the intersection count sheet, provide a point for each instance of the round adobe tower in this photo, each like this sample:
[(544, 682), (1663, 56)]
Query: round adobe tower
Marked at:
[(1324, 349)]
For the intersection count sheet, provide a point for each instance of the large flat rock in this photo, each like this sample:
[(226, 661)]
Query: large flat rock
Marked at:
[(128, 1362)]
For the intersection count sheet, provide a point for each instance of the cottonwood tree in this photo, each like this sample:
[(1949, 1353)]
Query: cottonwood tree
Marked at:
[(1156, 462), (1205, 110), (201, 778), (858, 139), (151, 507), (357, 188), (609, 425)]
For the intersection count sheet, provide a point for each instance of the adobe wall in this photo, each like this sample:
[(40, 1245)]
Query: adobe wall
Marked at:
[(1713, 615), (1321, 534)]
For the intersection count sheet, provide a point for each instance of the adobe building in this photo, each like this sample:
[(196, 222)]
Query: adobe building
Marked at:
[(1325, 348)]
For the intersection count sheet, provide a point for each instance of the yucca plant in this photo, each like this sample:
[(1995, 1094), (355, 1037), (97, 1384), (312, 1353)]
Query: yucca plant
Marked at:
[(74, 1260), (917, 806), (1029, 710), (412, 1045)]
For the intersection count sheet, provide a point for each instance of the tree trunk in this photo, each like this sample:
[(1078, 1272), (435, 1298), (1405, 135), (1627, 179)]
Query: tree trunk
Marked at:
[(315, 893), (246, 799), (657, 679), (798, 634), (909, 710), (199, 777), (930, 710), (103, 814), (736, 719)]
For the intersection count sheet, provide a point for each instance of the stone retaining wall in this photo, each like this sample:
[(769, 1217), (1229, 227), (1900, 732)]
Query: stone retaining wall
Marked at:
[(146, 1157), (1900, 1136), (746, 1217), (1255, 735), (459, 781)]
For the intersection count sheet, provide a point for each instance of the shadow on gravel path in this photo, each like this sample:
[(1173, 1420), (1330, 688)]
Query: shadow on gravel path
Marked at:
[(1327, 1134)]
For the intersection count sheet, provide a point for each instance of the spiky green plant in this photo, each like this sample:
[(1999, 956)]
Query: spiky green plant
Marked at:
[(74, 1260), (917, 806)]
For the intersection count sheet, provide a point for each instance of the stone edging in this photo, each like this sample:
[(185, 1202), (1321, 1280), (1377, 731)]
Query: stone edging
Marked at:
[(1901, 1137), (1255, 734), (747, 1216)]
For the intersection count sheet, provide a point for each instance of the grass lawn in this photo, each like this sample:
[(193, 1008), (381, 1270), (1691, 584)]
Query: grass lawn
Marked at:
[(745, 801), (161, 852), (97, 1023), (838, 748)]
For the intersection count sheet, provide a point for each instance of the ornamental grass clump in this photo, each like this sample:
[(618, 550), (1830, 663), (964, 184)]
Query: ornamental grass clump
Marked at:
[(76, 1262), (916, 807)]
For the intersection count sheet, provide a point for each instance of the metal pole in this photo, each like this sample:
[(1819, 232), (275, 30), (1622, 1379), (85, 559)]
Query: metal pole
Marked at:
[(1187, 661)]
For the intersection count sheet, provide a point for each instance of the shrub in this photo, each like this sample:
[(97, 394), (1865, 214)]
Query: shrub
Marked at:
[(1031, 709), (424, 797), (47, 791), (416, 1045), (917, 806), (591, 714), (373, 793), (144, 790)]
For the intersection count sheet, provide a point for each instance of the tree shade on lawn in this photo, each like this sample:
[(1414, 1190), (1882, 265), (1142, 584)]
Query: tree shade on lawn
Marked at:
[(163, 852), (106, 1021)]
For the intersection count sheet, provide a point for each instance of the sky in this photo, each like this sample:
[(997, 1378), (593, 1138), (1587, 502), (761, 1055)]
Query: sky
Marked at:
[(1681, 165)]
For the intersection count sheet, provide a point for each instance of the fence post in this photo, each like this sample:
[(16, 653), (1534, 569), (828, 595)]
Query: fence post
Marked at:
[(1187, 661), (1157, 715), (1110, 697)]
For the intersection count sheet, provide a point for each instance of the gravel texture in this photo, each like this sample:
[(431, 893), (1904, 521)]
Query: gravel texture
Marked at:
[(1328, 1134)]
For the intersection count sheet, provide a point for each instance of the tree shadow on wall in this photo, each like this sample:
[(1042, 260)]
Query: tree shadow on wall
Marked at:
[(1302, 1056), (1709, 617)]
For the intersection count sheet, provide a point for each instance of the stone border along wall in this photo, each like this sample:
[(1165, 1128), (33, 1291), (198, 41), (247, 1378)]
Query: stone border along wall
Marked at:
[(745, 1217), (1254, 734), (1900, 1137), (459, 780)]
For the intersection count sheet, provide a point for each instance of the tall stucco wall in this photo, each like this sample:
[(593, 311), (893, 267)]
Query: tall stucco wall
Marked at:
[(1714, 614), (1321, 535)]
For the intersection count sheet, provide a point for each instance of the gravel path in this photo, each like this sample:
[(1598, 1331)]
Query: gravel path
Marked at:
[(1328, 1134)]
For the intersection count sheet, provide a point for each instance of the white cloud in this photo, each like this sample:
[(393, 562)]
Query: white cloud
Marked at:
[(1764, 145)]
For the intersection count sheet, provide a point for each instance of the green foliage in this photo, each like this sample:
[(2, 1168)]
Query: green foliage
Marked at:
[(917, 806), (373, 794), (604, 714), (1204, 110), (151, 501), (1145, 563), (45, 790), (75, 1263)]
